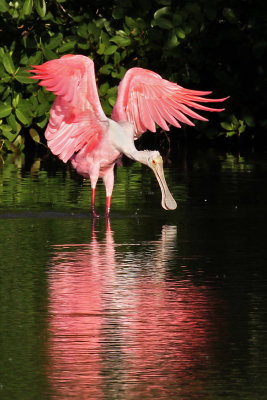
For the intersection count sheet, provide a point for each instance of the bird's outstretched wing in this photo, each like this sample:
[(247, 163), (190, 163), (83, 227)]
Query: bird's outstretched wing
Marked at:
[(76, 118), (144, 98)]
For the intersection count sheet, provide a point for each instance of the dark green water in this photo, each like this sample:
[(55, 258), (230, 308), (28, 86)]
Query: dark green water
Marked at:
[(149, 305)]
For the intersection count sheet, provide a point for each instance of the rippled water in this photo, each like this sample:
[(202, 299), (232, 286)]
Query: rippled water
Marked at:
[(147, 305)]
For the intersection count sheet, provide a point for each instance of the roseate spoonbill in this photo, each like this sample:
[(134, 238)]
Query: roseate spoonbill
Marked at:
[(79, 131)]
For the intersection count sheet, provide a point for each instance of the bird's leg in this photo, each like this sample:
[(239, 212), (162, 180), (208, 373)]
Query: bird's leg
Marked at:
[(93, 203), (108, 179), (108, 204), (93, 173)]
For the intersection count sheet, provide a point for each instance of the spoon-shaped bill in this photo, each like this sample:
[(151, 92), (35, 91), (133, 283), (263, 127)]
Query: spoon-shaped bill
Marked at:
[(167, 201)]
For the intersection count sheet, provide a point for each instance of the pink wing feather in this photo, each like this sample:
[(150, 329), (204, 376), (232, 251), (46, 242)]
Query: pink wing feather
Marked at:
[(144, 98), (76, 117)]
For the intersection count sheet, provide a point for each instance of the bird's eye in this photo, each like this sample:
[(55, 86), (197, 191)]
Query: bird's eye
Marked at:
[(154, 162)]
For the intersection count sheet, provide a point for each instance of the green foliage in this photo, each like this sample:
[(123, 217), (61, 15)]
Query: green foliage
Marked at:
[(235, 127), (197, 44)]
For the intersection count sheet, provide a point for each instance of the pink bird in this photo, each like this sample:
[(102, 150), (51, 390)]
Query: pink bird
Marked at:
[(79, 131)]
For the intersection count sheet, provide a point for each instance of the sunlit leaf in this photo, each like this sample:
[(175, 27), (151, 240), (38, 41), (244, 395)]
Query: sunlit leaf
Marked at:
[(11, 136), (226, 125), (12, 122), (27, 7), (112, 100), (5, 128), (22, 76), (121, 41), (112, 91), (172, 39), (106, 69), (8, 63), (42, 121), (230, 133), (22, 116), (16, 99), (40, 7), (162, 11), (180, 33), (3, 6), (110, 50), (5, 110), (66, 47), (101, 48)]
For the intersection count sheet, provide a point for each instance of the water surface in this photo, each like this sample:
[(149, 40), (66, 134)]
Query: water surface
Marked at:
[(149, 304)]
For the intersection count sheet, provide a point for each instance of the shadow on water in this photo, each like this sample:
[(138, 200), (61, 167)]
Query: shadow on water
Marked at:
[(148, 305)]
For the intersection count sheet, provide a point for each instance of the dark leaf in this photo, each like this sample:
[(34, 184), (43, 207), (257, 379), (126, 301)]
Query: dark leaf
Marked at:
[(35, 135)]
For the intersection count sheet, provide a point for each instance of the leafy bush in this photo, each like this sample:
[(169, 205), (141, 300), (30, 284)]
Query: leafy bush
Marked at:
[(197, 44)]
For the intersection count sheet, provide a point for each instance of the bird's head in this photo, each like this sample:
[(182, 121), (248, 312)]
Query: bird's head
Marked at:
[(153, 158), (155, 162)]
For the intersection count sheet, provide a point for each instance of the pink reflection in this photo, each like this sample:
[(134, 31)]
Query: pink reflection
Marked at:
[(169, 339), (119, 326), (76, 284)]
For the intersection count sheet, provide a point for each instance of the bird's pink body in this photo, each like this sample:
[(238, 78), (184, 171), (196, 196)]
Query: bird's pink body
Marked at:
[(79, 130)]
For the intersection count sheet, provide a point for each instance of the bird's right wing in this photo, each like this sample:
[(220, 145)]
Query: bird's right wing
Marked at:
[(146, 99), (76, 118)]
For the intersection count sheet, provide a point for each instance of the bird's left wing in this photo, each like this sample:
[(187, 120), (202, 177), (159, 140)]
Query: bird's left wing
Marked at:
[(76, 118), (146, 99)]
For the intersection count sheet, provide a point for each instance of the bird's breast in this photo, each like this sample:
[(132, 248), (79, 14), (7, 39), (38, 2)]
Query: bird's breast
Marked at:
[(102, 157)]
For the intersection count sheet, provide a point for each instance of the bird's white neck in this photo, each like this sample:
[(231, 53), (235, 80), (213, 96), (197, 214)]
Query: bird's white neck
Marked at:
[(122, 138), (140, 156)]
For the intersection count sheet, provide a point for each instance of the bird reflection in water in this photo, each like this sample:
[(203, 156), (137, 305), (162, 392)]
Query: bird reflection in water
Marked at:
[(122, 327)]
